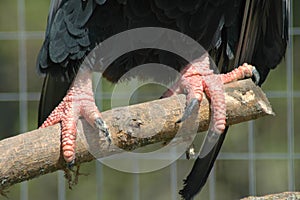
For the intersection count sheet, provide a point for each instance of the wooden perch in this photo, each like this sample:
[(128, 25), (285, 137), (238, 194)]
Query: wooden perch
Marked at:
[(279, 196), (38, 152)]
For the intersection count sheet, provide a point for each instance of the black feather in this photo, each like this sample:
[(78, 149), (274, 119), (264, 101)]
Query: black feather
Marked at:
[(263, 44), (201, 170), (75, 27)]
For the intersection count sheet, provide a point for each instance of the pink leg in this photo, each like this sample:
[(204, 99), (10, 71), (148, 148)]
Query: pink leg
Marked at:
[(79, 101), (191, 84), (191, 80), (214, 90), (198, 78)]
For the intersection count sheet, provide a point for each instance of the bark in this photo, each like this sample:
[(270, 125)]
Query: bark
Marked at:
[(279, 196), (38, 152)]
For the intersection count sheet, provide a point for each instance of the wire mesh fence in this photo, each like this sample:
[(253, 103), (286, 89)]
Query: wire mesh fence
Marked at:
[(258, 157)]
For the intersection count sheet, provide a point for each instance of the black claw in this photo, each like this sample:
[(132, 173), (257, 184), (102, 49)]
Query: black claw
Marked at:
[(71, 164), (100, 124), (194, 103), (256, 75)]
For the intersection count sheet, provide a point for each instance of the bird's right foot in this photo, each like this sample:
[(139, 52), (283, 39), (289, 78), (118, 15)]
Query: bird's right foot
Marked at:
[(79, 101)]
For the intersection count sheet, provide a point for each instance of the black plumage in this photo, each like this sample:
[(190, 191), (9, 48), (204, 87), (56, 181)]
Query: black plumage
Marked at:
[(75, 27), (264, 35), (232, 31)]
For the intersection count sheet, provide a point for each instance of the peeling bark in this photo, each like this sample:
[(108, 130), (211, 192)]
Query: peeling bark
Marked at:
[(279, 196)]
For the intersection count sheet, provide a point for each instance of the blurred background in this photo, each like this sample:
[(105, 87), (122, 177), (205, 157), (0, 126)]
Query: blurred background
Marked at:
[(258, 157)]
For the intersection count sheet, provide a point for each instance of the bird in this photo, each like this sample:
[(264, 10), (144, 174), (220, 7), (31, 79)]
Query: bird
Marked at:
[(232, 32)]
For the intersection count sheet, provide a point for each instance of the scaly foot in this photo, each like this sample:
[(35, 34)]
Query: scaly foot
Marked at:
[(197, 78), (79, 101)]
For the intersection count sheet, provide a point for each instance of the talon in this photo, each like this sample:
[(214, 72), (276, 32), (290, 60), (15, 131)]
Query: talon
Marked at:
[(70, 165), (193, 104), (100, 124), (256, 75)]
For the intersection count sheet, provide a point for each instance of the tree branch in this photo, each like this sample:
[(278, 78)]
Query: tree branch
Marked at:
[(38, 152), (279, 196)]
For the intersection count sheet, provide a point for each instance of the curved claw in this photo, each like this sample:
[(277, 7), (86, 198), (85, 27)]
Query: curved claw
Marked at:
[(100, 124), (71, 164), (255, 75), (210, 141), (194, 103)]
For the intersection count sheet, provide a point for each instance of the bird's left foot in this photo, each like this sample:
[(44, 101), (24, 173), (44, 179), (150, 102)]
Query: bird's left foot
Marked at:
[(197, 78)]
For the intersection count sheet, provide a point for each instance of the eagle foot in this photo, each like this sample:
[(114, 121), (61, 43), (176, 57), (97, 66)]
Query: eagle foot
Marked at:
[(197, 79), (79, 101)]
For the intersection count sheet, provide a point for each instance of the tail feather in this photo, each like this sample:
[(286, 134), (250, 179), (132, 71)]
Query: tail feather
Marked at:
[(201, 170)]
